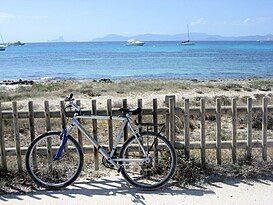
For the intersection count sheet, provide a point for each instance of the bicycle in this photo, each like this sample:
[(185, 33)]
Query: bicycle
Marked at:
[(147, 160)]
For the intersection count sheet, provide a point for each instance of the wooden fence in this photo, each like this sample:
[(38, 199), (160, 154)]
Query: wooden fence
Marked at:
[(170, 113)]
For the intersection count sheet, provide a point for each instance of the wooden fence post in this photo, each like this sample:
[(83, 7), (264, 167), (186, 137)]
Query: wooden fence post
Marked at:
[(218, 131), (172, 120), (234, 131), (167, 99), (202, 132), (125, 133), (2, 142), (264, 128), (249, 129), (110, 124), (95, 134), (47, 116), (155, 115), (139, 104), (187, 128), (32, 131), (17, 136), (78, 102), (155, 122), (62, 112), (48, 140), (167, 125), (63, 119), (31, 120)]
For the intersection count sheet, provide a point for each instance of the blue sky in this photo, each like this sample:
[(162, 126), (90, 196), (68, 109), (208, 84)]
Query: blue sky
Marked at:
[(32, 20)]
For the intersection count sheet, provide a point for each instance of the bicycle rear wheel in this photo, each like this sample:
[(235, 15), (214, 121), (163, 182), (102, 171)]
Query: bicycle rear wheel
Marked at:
[(159, 168), (48, 172)]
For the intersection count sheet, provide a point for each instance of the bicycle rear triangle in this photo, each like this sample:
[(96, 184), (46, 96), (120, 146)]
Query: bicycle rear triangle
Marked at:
[(147, 160)]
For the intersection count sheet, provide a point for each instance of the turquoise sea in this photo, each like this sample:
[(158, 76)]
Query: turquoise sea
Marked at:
[(204, 60)]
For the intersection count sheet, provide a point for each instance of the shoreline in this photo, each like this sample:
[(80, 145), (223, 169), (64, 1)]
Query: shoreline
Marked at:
[(139, 78)]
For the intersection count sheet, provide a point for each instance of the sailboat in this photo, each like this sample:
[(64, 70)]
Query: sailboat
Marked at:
[(2, 46), (188, 42)]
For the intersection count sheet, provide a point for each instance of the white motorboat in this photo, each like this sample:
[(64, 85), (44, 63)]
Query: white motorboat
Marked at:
[(188, 42), (2, 47), (133, 42)]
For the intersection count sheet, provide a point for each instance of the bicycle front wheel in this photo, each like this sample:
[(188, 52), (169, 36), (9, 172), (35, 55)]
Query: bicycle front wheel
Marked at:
[(49, 172), (158, 167)]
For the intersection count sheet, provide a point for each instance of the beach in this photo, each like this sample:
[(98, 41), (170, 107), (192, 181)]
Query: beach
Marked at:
[(132, 89)]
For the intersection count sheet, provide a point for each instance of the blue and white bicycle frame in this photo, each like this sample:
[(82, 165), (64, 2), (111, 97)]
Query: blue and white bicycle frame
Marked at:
[(108, 156)]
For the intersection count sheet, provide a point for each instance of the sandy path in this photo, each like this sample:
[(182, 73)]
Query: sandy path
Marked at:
[(115, 191)]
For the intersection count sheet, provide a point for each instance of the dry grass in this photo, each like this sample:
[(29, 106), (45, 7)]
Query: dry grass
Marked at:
[(192, 172), (54, 91)]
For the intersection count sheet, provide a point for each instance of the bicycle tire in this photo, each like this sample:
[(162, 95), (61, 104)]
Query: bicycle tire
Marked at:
[(172, 168), (52, 185)]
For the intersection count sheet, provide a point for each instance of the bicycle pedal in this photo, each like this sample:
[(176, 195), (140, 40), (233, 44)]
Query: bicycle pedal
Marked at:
[(107, 164)]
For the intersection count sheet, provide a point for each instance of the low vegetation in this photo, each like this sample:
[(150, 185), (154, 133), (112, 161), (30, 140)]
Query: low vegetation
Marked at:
[(129, 87), (191, 172)]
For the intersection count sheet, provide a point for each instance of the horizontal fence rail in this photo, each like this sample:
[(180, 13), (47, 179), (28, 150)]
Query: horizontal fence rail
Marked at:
[(145, 111), (172, 115)]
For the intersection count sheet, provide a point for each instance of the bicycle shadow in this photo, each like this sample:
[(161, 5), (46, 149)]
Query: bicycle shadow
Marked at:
[(119, 187), (107, 187)]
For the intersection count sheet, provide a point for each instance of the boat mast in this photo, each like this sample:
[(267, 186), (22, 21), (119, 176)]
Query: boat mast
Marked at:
[(2, 38), (188, 32)]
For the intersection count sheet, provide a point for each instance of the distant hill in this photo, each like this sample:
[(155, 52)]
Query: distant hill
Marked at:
[(183, 36), (60, 39)]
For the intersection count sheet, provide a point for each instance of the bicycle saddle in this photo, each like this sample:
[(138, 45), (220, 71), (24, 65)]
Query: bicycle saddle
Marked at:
[(135, 111)]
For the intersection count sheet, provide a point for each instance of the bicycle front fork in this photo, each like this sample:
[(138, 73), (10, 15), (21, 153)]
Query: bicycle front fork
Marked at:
[(63, 138)]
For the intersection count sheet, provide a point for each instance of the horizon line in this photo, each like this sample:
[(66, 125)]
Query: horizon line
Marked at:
[(91, 41)]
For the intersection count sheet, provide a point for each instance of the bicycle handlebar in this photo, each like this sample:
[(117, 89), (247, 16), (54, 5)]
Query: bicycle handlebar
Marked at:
[(72, 104), (70, 98)]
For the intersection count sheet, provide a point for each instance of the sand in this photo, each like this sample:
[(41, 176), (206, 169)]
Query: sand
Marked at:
[(133, 89), (114, 190)]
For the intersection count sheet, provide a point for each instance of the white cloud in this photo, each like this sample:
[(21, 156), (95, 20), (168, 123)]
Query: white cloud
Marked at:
[(5, 16), (247, 20), (239, 22), (264, 20), (253, 21), (197, 22), (34, 18)]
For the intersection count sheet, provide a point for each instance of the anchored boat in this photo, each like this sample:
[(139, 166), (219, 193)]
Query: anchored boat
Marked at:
[(188, 42), (2, 46), (133, 42)]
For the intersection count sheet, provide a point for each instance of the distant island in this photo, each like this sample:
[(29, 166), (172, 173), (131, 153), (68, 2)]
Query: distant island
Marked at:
[(59, 39), (183, 36)]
